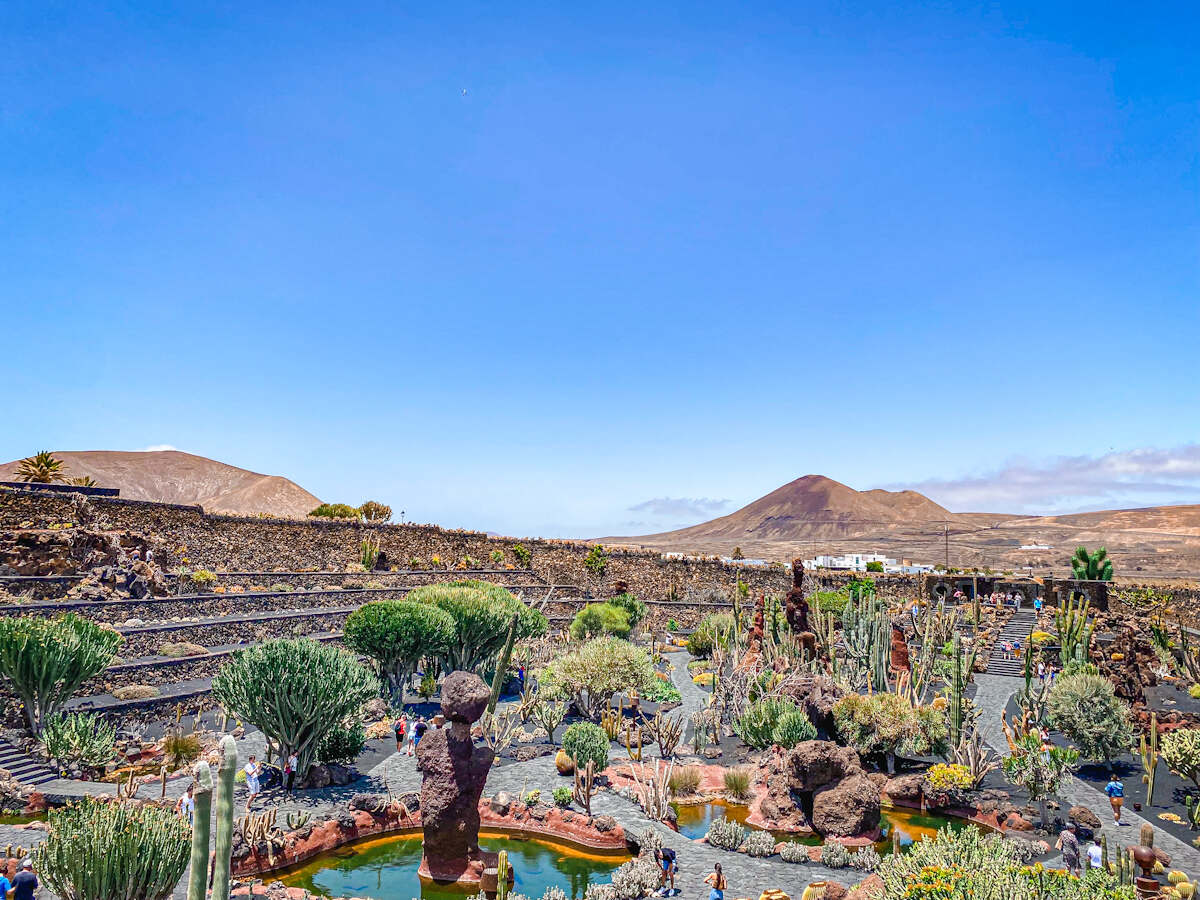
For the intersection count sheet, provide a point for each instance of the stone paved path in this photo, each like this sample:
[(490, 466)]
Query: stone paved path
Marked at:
[(992, 695)]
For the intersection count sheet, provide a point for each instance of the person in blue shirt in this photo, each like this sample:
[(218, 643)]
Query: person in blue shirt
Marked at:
[(1116, 796), (5, 886)]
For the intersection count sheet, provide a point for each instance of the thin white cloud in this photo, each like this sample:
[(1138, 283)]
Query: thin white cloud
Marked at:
[(1129, 478), (680, 507), (154, 448)]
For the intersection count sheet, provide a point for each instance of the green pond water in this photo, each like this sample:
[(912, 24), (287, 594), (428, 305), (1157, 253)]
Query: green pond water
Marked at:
[(694, 820), (386, 869), (22, 820)]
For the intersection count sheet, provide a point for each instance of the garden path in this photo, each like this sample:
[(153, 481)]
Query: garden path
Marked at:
[(992, 695)]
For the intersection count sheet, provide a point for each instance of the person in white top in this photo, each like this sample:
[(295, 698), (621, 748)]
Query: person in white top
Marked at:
[(185, 806), (1095, 854), (252, 769)]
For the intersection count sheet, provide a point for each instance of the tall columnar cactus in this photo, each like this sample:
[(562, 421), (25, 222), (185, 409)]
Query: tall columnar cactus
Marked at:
[(1149, 755), (223, 845), (201, 826), (1074, 632), (502, 875), (502, 664), (867, 635)]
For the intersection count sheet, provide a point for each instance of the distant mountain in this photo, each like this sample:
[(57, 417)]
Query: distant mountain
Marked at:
[(171, 476), (813, 507), (815, 514)]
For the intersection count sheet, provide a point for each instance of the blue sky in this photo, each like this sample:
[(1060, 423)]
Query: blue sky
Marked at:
[(559, 271)]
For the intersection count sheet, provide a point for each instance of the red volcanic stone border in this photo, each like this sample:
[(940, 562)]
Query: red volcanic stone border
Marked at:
[(358, 821)]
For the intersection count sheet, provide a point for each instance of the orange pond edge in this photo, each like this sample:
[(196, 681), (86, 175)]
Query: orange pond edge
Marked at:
[(407, 834)]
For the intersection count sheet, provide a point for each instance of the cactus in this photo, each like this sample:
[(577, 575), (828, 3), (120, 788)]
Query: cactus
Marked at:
[(1146, 835), (1186, 890), (635, 755), (1149, 754), (223, 843), (295, 821), (106, 851), (1192, 805), (201, 827), (1104, 852), (1074, 632), (867, 635), (502, 665), (610, 721), (502, 875)]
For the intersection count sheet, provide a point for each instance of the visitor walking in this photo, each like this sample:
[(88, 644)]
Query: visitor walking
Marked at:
[(1041, 672), (1116, 796), (253, 770), (665, 857), (419, 731), (1095, 854), (716, 880), (25, 883), (185, 806), (401, 731), (1016, 649), (5, 885), (289, 772), (1068, 843), (1037, 605)]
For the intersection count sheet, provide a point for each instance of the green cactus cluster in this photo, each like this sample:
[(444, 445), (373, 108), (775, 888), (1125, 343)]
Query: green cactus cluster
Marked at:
[(867, 636), (112, 851), (1074, 632)]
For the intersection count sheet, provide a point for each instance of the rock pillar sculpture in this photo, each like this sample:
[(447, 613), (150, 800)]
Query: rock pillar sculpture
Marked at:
[(796, 604), (454, 771)]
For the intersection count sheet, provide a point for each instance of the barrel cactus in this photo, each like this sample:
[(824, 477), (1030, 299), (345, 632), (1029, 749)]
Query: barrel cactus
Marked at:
[(113, 851)]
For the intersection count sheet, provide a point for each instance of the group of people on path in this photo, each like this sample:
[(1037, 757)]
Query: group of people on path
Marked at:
[(23, 884), (1068, 839), (409, 734)]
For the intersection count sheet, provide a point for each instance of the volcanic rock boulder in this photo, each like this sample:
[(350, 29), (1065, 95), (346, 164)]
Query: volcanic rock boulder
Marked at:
[(453, 774), (816, 695), (822, 787)]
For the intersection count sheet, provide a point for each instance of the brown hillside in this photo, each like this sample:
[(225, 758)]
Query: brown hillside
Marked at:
[(812, 507), (171, 476)]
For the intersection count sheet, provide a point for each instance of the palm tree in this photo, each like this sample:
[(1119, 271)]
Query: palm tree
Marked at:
[(83, 481), (1092, 566), (41, 468)]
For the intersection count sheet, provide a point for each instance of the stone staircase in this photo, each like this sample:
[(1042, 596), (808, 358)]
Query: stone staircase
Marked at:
[(22, 767), (1018, 628)]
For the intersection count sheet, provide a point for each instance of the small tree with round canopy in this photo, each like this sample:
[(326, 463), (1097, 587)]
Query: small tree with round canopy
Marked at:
[(295, 691), (396, 635), (482, 614), (47, 659)]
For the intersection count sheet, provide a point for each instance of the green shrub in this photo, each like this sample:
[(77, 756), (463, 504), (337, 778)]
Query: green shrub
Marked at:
[(524, 557), (396, 634), (374, 512), (874, 566), (482, 613), (596, 562), (563, 796), (792, 728), (584, 743), (335, 511), (830, 601), (1194, 692), (713, 631), (590, 675), (295, 691), (737, 783), (596, 619), (661, 690), (1181, 752), (203, 578), (80, 739), (756, 725), (343, 744), (635, 609), (1085, 709)]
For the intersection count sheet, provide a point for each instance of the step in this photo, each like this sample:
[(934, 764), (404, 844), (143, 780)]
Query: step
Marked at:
[(22, 767)]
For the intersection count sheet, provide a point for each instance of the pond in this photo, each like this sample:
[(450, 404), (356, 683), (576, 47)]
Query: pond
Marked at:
[(694, 820), (386, 869), (21, 819)]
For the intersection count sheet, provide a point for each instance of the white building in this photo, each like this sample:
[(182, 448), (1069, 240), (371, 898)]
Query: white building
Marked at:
[(857, 562)]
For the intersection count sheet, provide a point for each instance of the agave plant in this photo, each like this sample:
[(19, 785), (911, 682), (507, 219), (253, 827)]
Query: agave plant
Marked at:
[(83, 481), (41, 468)]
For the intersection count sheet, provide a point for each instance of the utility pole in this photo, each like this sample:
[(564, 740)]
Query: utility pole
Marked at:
[(946, 528)]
